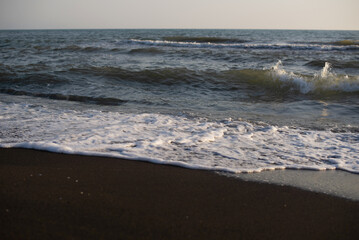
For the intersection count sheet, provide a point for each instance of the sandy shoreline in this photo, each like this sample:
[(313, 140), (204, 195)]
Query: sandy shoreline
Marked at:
[(56, 196)]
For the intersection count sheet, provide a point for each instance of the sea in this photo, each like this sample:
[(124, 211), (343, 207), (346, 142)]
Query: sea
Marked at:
[(236, 101)]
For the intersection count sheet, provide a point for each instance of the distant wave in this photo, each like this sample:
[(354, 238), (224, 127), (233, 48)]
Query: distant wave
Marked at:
[(167, 76), (150, 50), (202, 39), (347, 43), (202, 42), (334, 64), (75, 48), (246, 45)]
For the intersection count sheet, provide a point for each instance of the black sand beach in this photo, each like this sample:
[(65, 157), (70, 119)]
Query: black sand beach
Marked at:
[(56, 196)]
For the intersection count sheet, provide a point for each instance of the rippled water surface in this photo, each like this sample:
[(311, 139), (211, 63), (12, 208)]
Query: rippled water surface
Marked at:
[(237, 100)]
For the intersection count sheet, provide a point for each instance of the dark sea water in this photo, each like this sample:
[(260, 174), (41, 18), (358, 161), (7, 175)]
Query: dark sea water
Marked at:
[(234, 100)]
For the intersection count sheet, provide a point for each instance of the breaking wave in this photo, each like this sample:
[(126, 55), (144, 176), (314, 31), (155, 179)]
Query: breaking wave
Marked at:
[(326, 81), (347, 43), (276, 78), (275, 81)]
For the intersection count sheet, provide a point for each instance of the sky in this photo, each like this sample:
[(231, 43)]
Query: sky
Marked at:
[(232, 14)]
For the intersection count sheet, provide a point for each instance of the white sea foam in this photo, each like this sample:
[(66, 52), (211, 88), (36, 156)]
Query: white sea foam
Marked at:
[(229, 145), (289, 46), (325, 80)]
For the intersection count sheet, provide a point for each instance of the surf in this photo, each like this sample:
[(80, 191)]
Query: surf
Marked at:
[(187, 43)]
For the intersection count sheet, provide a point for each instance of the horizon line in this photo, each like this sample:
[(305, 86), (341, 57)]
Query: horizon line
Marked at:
[(159, 28)]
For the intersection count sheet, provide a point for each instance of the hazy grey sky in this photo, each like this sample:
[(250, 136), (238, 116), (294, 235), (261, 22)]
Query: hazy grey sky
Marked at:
[(263, 14)]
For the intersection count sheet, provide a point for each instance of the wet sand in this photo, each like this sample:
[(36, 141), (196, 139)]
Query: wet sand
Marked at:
[(56, 196)]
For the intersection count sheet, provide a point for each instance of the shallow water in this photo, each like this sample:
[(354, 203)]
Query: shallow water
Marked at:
[(337, 183)]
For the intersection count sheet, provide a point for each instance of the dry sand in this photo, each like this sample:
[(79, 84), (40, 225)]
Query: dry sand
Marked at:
[(56, 196)]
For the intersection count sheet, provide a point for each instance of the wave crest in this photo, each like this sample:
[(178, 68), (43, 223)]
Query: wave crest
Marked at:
[(346, 43), (280, 81), (275, 78), (167, 42), (202, 39), (275, 81), (326, 81)]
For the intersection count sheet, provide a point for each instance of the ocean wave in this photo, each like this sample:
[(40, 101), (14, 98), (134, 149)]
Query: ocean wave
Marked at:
[(334, 64), (72, 98), (347, 43), (202, 39), (86, 49), (42, 48), (150, 50), (76, 48), (273, 81), (27, 76), (268, 46), (324, 82), (276, 78), (71, 48), (167, 76)]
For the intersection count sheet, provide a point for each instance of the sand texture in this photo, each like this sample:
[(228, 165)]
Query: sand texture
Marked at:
[(56, 196)]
